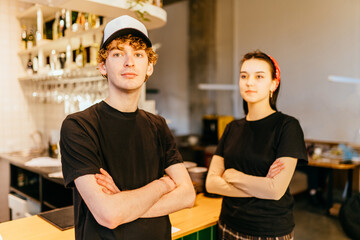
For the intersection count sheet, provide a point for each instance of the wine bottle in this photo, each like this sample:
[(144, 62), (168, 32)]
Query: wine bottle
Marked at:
[(86, 22), (35, 65), (94, 48), (80, 21), (62, 23), (30, 40), (80, 55), (93, 20), (55, 27), (29, 66), (24, 38)]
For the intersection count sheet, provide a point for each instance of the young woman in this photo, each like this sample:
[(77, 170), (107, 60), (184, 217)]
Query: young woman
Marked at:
[(256, 158)]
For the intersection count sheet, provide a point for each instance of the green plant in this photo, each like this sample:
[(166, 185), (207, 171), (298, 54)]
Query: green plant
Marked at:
[(134, 4)]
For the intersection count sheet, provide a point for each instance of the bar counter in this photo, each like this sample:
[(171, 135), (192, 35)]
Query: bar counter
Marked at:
[(202, 216)]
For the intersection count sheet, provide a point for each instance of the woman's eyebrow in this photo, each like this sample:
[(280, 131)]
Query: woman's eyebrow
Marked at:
[(255, 72)]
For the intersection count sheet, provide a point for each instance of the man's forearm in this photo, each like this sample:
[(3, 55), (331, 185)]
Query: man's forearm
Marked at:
[(126, 206), (181, 197)]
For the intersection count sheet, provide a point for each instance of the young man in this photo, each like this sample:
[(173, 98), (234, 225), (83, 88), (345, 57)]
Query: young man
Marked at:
[(135, 147)]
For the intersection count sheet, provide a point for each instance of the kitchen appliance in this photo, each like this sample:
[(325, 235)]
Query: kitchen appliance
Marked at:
[(213, 128)]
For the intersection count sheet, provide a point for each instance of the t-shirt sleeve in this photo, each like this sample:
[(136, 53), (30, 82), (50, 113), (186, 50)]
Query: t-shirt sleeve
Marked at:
[(220, 147), (171, 153), (291, 142), (78, 152)]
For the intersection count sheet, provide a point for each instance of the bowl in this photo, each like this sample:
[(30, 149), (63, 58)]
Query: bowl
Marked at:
[(198, 177), (189, 164)]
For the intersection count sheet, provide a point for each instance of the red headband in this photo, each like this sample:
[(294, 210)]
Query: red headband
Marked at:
[(277, 71)]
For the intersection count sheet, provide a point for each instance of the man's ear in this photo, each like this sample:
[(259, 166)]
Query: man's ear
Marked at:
[(150, 69), (102, 68)]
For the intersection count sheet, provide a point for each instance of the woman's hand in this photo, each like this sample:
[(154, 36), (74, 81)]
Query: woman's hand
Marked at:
[(105, 180), (275, 168)]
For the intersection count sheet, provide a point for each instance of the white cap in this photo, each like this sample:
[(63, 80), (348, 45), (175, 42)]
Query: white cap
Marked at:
[(124, 25)]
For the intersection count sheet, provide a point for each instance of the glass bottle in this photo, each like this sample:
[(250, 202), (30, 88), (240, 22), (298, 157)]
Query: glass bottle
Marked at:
[(55, 26), (80, 21), (94, 48), (80, 55), (62, 23), (35, 65), (86, 22), (74, 25), (24, 38), (158, 3), (93, 20), (31, 40), (29, 66)]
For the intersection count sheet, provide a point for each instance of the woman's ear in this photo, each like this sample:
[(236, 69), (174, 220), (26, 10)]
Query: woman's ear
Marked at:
[(273, 85)]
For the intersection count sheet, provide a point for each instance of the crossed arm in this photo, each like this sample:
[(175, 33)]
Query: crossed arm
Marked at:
[(234, 183), (159, 197)]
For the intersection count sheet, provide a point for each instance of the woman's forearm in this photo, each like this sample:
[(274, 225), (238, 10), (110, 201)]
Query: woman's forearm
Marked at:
[(263, 187), (216, 184)]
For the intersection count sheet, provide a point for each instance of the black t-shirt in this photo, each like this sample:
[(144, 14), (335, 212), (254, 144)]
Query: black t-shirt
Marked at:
[(251, 147), (135, 148)]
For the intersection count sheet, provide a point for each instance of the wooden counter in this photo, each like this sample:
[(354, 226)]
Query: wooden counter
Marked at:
[(204, 214)]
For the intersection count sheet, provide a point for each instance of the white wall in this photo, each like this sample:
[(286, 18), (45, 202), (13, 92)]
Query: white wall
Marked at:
[(311, 40), (16, 122), (19, 116), (170, 76)]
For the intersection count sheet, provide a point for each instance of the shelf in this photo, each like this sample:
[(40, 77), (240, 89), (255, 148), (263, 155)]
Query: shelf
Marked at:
[(59, 45), (21, 193), (107, 8), (77, 75), (31, 13), (214, 86), (341, 79)]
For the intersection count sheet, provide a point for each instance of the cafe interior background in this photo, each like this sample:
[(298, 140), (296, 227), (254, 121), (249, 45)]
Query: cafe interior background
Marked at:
[(199, 49)]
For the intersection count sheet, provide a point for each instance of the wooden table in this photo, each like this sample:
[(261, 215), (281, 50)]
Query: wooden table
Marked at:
[(204, 214), (339, 165)]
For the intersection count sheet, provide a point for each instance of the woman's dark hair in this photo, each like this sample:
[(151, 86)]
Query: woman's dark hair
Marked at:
[(262, 56)]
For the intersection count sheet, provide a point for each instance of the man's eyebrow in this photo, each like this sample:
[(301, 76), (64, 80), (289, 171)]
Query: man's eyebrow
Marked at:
[(116, 47)]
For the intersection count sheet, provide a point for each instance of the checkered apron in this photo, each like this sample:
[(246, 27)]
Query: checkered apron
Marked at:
[(225, 233)]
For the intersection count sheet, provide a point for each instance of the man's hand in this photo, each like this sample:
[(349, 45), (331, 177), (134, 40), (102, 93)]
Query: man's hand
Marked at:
[(105, 180), (169, 183), (109, 187)]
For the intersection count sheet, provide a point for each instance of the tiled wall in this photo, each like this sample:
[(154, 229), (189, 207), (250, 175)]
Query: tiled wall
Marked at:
[(19, 117), (14, 118)]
